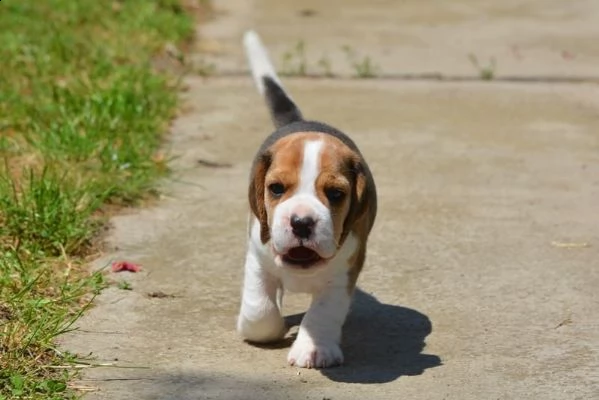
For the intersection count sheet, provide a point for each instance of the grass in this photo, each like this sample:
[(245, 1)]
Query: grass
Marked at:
[(364, 68), (485, 72), (81, 117), (295, 63)]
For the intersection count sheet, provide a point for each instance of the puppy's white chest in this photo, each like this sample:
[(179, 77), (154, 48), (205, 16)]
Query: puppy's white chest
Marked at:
[(311, 284)]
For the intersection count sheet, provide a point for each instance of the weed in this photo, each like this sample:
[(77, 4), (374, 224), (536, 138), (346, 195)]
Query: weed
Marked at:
[(363, 67), (325, 64), (124, 285), (487, 72), (204, 68), (295, 63), (294, 60)]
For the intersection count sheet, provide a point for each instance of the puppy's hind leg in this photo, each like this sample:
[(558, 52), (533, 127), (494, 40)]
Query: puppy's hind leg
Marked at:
[(260, 317)]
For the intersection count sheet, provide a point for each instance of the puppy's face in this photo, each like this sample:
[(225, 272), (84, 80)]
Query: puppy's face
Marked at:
[(307, 190)]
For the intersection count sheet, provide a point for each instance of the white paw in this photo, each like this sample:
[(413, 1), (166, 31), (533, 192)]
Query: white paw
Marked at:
[(264, 330), (306, 354)]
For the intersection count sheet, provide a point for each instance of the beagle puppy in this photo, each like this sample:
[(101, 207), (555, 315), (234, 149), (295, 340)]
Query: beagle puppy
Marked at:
[(313, 203)]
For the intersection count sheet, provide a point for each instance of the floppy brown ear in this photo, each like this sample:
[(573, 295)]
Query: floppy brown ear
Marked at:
[(359, 196), (256, 193), (360, 189)]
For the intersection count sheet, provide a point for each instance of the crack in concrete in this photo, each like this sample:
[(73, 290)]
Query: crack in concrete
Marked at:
[(427, 77)]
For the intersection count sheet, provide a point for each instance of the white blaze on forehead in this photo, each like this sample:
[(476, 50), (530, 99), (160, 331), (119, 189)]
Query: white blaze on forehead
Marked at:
[(310, 167)]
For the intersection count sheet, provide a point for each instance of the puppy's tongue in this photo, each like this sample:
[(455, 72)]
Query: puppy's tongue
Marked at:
[(302, 254)]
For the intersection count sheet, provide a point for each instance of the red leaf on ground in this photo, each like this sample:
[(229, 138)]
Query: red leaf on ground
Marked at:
[(118, 266)]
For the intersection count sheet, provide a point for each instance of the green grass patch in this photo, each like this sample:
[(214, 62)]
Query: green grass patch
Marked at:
[(81, 120)]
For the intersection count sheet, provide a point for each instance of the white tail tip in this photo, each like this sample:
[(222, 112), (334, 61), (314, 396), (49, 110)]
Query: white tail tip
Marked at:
[(259, 60)]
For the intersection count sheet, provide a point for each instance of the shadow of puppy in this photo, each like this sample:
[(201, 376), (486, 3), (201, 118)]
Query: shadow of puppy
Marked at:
[(381, 342)]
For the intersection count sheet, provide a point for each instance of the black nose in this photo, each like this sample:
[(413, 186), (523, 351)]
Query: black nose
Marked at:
[(302, 227)]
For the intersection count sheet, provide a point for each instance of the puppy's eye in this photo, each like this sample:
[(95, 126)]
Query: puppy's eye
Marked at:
[(276, 189), (334, 195)]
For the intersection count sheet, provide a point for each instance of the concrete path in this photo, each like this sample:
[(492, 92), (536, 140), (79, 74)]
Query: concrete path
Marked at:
[(482, 278)]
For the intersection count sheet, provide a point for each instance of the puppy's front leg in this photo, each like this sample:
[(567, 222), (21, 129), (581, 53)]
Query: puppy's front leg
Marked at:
[(319, 336), (260, 318)]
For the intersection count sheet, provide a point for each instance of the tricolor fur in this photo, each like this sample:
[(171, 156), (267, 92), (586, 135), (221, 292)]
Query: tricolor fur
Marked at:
[(313, 203)]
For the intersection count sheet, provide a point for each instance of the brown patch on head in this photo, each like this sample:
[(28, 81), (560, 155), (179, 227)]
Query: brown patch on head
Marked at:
[(342, 186), (279, 165)]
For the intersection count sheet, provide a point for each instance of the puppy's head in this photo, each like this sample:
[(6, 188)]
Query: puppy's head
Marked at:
[(307, 190)]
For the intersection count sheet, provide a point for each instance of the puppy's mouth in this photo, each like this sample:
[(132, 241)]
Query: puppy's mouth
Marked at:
[(301, 257)]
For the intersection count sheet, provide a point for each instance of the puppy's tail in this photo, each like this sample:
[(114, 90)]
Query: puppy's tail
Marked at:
[(283, 110)]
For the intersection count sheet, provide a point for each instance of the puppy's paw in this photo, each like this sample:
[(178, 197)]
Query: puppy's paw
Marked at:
[(264, 330), (307, 354)]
